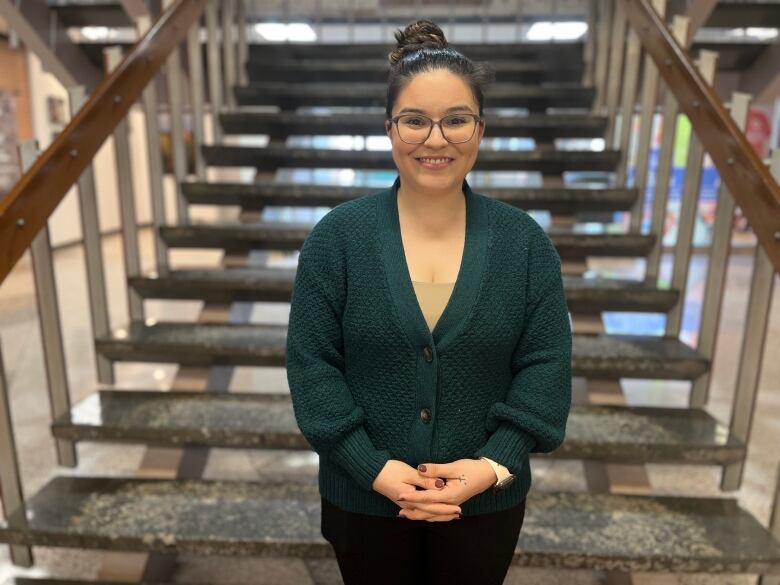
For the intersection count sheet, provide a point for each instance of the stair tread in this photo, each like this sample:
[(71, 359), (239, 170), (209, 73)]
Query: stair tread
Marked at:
[(274, 156), (264, 420), (632, 356), (262, 284), (291, 235), (238, 518), (308, 195)]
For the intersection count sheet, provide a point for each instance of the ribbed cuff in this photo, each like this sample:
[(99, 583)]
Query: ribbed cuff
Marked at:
[(358, 456), (508, 446)]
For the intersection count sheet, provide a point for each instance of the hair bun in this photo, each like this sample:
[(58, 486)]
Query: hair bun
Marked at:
[(414, 37)]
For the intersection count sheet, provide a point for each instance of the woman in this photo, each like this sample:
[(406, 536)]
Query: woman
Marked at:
[(429, 345)]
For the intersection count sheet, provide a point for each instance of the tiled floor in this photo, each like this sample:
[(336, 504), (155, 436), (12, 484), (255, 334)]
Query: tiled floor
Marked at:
[(21, 350)]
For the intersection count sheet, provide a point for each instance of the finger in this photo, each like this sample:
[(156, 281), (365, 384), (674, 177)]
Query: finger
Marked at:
[(444, 494), (437, 470), (422, 515), (427, 483), (435, 508)]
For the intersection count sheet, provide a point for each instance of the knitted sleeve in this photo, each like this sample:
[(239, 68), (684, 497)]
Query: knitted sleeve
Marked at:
[(533, 416), (323, 404)]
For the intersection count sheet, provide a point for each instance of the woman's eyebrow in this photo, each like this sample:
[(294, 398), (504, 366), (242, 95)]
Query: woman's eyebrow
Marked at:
[(447, 111)]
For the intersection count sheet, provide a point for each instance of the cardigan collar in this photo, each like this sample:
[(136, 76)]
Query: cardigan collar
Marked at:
[(467, 283)]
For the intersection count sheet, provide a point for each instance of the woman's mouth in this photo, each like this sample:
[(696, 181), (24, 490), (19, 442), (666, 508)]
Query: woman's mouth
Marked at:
[(434, 163)]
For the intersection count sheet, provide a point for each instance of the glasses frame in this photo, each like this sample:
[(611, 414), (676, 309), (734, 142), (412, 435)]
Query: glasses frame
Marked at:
[(477, 119)]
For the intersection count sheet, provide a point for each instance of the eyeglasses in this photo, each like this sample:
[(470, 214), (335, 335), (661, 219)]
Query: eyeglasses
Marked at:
[(416, 128)]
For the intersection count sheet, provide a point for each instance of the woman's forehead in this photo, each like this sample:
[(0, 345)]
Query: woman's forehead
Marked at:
[(436, 92)]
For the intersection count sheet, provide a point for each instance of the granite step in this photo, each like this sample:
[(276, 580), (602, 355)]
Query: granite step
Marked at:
[(212, 344), (276, 235), (272, 157), (269, 285), (549, 52), (266, 518), (40, 581), (258, 195), (267, 421), (377, 70), (289, 96), (279, 125)]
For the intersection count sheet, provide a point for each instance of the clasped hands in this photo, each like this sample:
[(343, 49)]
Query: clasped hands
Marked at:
[(445, 487)]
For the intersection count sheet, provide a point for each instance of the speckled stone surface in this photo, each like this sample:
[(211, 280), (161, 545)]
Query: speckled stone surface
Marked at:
[(273, 235), (565, 530), (590, 295), (607, 433), (273, 156), (376, 70), (202, 344), (257, 195), (536, 98), (283, 124)]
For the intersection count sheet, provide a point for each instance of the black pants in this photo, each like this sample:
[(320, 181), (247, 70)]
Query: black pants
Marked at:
[(376, 550)]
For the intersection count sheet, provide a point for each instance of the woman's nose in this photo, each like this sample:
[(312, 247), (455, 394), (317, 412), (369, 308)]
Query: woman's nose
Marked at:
[(436, 136)]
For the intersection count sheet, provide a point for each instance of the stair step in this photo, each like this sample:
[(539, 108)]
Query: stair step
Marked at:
[(267, 421), (273, 157), (583, 295), (551, 52), (240, 518), (289, 96), (258, 195), (291, 235), (211, 344), (283, 124), (377, 70), (34, 581)]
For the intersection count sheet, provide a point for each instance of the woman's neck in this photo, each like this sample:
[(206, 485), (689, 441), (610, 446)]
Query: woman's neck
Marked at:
[(432, 212)]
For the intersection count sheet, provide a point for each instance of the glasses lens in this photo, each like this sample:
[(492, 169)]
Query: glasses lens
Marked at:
[(458, 127), (413, 128)]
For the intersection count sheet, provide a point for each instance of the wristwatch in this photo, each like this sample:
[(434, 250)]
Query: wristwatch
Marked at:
[(505, 477)]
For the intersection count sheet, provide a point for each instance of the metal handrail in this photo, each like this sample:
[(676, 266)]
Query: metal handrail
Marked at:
[(25, 210)]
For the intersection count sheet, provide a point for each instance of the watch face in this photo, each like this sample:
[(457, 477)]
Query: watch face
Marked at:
[(505, 483)]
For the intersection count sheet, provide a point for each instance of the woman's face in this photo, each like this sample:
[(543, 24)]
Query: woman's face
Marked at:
[(433, 94)]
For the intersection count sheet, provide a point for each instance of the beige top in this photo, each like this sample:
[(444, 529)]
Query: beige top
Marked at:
[(432, 297)]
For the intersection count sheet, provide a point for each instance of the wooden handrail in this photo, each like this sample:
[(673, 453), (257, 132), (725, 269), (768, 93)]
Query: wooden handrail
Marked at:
[(25, 210), (747, 178)]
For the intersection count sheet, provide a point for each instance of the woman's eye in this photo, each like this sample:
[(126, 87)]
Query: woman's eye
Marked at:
[(455, 121), (415, 122)]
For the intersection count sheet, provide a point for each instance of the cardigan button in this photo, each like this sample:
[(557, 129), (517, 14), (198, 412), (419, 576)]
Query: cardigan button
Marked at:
[(428, 353), (425, 415)]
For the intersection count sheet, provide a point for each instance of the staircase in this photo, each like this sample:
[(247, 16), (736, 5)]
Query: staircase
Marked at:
[(600, 530)]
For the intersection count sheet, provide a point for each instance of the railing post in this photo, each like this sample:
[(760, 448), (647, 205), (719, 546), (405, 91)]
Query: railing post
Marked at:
[(124, 173), (605, 11), (195, 59), (774, 528), (51, 327), (681, 31), (93, 250), (689, 204), (590, 44), (717, 264), (229, 50), (647, 113), (752, 352), (214, 69), (10, 480), (243, 48), (617, 38), (628, 103), (156, 191)]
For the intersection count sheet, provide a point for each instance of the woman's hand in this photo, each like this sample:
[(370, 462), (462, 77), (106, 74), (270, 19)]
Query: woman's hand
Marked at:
[(464, 478), (397, 478)]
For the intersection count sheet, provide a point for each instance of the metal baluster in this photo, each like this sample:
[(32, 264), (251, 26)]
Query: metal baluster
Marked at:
[(11, 491), (682, 32), (351, 22), (195, 59), (518, 20), (752, 352), (93, 250), (243, 48), (124, 174), (615, 71), (485, 20), (647, 109), (214, 69), (630, 75), (606, 10), (51, 327), (708, 61), (716, 267), (228, 51), (590, 44)]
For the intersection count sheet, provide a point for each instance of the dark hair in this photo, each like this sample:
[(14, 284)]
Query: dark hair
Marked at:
[(421, 47)]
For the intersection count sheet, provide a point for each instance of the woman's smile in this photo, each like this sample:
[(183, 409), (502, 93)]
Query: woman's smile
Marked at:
[(435, 163)]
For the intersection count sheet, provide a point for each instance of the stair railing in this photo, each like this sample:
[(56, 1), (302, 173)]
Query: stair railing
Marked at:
[(48, 176), (639, 31)]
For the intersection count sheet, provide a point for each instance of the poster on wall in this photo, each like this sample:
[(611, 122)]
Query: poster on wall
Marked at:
[(9, 161)]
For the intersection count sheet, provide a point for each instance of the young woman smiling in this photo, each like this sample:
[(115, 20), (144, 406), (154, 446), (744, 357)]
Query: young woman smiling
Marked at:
[(429, 345)]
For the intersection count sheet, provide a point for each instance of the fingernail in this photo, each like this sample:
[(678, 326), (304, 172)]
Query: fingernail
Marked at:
[(439, 483), (422, 468)]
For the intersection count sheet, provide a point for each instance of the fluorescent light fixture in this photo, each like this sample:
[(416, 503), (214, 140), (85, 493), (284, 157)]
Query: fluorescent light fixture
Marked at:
[(279, 32), (96, 33), (761, 33), (559, 31)]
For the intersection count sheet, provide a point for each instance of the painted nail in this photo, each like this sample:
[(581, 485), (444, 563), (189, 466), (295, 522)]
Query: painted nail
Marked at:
[(439, 483), (422, 468)]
